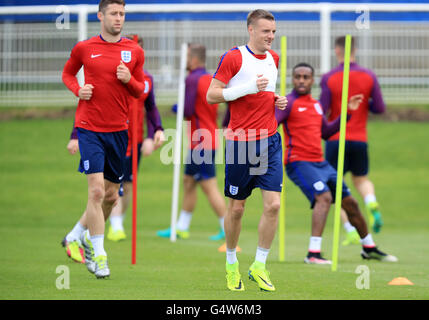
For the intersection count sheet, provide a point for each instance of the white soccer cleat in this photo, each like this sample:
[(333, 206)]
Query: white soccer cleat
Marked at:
[(89, 252), (101, 267), (316, 258)]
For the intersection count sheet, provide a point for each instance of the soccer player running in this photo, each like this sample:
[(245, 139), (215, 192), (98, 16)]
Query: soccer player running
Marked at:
[(304, 126), (362, 82), (146, 147), (146, 108), (200, 165), (246, 79), (113, 68)]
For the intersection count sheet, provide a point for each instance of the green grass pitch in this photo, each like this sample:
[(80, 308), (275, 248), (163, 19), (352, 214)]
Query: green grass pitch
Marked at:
[(43, 195)]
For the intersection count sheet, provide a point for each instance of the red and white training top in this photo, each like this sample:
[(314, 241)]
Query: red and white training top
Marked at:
[(253, 115), (107, 110)]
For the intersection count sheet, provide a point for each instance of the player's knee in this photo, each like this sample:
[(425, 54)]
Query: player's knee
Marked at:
[(272, 207), (324, 199), (111, 197), (96, 193), (237, 211), (188, 183)]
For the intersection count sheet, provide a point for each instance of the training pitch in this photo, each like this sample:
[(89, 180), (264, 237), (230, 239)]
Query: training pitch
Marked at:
[(43, 196)]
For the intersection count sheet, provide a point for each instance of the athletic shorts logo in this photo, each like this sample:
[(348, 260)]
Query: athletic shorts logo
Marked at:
[(301, 109), (126, 56), (318, 108), (233, 190), (86, 165), (319, 185)]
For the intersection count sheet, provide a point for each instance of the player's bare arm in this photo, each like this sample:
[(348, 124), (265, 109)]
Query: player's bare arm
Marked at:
[(214, 93)]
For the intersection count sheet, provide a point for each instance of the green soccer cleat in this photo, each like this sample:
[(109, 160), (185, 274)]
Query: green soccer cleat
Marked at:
[(375, 220), (89, 252), (181, 234), (101, 268), (74, 250), (116, 235), (219, 236), (352, 237), (233, 277), (261, 276)]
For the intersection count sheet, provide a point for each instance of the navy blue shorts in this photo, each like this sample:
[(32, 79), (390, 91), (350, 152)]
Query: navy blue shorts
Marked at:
[(200, 164), (128, 164), (253, 164), (315, 178), (103, 152), (355, 156)]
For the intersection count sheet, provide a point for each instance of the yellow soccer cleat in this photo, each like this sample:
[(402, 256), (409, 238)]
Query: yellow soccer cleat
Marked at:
[(233, 277), (261, 276), (352, 237), (74, 250), (116, 235)]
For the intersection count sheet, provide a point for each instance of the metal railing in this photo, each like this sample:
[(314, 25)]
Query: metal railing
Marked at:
[(33, 54)]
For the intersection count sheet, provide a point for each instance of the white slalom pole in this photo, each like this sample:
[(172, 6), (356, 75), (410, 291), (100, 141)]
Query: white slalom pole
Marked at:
[(178, 141)]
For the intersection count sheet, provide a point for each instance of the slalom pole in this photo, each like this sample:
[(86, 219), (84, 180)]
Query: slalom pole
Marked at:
[(341, 149), (178, 142), (282, 214), (134, 173)]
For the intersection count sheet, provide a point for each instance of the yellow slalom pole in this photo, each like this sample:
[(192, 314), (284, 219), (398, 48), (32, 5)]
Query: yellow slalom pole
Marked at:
[(282, 214), (341, 148)]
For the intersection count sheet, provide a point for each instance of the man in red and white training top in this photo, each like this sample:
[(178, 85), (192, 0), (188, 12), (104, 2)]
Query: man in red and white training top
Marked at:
[(304, 126), (246, 79), (113, 69)]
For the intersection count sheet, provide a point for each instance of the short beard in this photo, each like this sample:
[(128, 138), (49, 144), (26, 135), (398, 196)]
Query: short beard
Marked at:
[(113, 32)]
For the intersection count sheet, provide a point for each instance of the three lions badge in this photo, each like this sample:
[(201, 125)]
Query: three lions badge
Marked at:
[(126, 56)]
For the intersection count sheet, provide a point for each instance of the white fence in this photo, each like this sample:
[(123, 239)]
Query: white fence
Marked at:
[(33, 54)]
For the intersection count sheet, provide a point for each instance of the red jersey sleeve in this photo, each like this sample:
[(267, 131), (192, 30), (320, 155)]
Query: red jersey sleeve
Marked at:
[(229, 65), (275, 57), (71, 68), (136, 84)]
